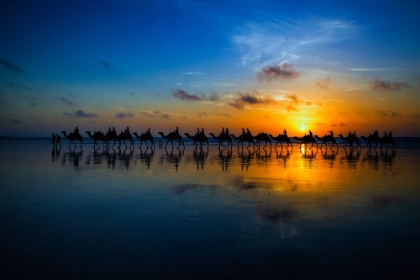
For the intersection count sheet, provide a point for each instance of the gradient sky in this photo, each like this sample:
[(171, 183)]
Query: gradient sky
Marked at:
[(265, 65)]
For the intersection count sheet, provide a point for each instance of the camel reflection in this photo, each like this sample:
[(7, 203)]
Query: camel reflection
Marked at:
[(308, 152), (97, 156), (73, 156), (172, 157), (146, 156), (225, 155), (200, 156), (245, 155), (262, 156), (284, 154), (125, 156)]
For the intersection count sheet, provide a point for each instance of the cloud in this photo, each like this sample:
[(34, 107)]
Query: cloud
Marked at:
[(283, 72), (162, 115), (250, 99), (193, 73), (391, 114), (16, 121), (381, 85), (80, 114), (416, 116), (69, 101), (121, 115), (10, 66), (184, 95), (34, 120), (104, 63), (155, 114), (371, 69), (337, 125), (324, 84), (293, 97), (291, 108)]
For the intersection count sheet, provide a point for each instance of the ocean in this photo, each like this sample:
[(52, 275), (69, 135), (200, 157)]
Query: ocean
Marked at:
[(208, 213)]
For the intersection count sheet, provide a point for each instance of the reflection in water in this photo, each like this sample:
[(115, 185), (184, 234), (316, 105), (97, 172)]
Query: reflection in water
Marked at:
[(225, 154), (200, 156), (146, 156), (74, 155), (307, 209), (173, 156)]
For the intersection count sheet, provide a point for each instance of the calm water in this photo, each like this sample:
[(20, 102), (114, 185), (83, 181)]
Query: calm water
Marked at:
[(208, 214)]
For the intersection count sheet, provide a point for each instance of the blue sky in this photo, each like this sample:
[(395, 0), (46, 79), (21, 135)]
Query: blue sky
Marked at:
[(347, 65)]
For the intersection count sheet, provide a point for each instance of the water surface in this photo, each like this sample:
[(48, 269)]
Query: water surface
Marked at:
[(207, 213)]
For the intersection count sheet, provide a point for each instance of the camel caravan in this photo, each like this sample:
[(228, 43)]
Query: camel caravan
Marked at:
[(226, 140)]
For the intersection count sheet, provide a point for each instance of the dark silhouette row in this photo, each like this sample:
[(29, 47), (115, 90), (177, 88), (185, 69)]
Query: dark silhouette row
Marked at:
[(226, 140)]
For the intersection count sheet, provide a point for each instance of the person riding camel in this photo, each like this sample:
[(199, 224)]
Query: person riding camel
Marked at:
[(202, 131), (223, 132), (127, 130), (227, 132), (331, 133), (284, 132), (310, 133), (176, 131), (248, 132), (76, 130)]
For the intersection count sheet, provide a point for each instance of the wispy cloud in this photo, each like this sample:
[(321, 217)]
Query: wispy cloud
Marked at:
[(416, 116), (251, 99), (324, 84), (339, 124), (10, 66), (279, 72), (390, 114), (155, 114), (104, 63), (381, 85), (184, 95), (121, 115), (371, 69), (69, 101), (80, 114), (283, 41), (34, 120), (193, 73), (16, 121)]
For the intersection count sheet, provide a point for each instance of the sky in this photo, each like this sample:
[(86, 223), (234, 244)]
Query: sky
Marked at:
[(263, 65)]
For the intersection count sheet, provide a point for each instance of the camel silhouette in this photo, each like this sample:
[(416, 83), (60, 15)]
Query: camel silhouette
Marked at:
[(350, 140), (372, 139), (223, 137), (281, 138), (111, 135), (327, 139), (198, 138), (125, 136), (388, 140), (72, 137), (306, 139), (172, 136), (97, 136), (145, 137), (262, 137), (244, 137)]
